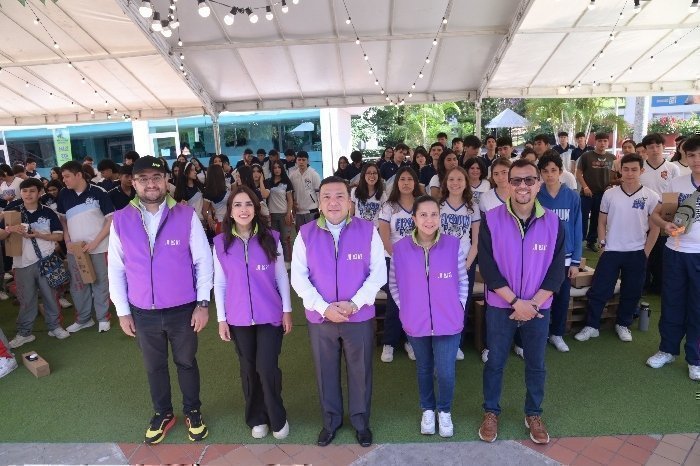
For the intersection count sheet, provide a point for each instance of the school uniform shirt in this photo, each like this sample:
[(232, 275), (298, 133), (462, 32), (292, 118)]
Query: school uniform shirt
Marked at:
[(628, 217), (202, 176), (194, 199), (85, 214), (389, 169), (577, 152), (565, 153), (400, 221), (426, 174), (119, 198), (107, 185), (48, 201), (481, 188), (434, 183), (11, 189), (490, 200), (33, 174), (682, 169), (688, 242), (568, 179), (306, 186), (277, 200), (219, 206), (369, 209), (458, 221), (41, 220), (658, 178)]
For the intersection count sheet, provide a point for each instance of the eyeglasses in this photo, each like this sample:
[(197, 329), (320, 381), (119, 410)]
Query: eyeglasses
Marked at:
[(144, 180), (529, 181)]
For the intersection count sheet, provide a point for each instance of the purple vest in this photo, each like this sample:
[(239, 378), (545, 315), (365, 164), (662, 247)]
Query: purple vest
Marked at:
[(338, 276), (249, 281), (165, 278), (430, 304), (523, 261)]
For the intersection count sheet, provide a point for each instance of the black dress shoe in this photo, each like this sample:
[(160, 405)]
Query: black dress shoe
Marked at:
[(325, 437), (364, 438)]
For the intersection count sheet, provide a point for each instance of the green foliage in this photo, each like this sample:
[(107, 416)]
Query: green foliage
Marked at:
[(574, 115)]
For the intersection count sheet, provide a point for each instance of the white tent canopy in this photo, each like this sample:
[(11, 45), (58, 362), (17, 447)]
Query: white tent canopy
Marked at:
[(508, 119), (308, 57)]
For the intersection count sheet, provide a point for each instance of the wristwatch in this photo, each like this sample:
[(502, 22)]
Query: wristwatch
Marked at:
[(354, 307), (602, 242), (203, 303), (513, 301)]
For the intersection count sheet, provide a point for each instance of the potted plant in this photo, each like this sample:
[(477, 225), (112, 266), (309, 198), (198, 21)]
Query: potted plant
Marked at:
[(667, 127)]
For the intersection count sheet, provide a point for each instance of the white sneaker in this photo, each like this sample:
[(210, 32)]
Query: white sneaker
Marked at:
[(445, 423), (485, 355), (60, 333), (260, 431), (19, 340), (282, 433), (387, 353), (409, 351), (65, 304), (558, 343), (4, 296), (76, 327), (8, 276), (7, 365), (460, 355), (104, 327), (623, 332), (427, 422), (694, 372), (660, 359), (519, 351), (587, 333)]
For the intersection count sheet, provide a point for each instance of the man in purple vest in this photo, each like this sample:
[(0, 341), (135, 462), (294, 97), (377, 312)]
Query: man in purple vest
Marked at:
[(160, 280), (522, 264), (338, 279)]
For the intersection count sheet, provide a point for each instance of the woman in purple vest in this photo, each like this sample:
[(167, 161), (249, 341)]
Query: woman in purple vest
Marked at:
[(395, 222), (429, 283), (253, 306)]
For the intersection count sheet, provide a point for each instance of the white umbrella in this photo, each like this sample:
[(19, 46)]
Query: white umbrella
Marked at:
[(508, 119)]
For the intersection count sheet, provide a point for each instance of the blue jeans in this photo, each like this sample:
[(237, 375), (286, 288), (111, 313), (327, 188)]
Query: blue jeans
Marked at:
[(436, 354), (680, 305), (590, 206), (630, 267), (501, 331), (560, 307)]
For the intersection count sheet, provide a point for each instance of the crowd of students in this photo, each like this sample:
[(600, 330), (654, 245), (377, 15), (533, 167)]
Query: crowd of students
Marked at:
[(416, 224)]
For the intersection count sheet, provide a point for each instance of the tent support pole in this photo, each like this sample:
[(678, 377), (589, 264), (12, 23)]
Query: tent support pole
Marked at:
[(477, 125), (217, 136)]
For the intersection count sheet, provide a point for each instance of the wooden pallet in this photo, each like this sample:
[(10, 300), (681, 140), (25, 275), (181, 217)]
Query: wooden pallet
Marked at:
[(576, 317)]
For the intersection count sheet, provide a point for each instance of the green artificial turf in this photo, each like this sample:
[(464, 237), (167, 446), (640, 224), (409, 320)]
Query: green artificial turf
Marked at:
[(97, 391)]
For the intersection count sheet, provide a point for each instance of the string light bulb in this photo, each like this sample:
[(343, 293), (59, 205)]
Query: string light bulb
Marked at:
[(357, 41), (268, 13), (230, 16), (637, 7), (693, 6), (348, 21), (382, 91), (82, 80), (413, 86), (296, 2), (444, 20), (611, 37), (420, 75), (371, 71), (591, 6), (435, 41), (203, 9), (55, 44), (165, 29), (36, 21), (179, 42), (146, 10), (427, 60), (26, 84), (92, 111), (366, 57), (174, 24), (51, 95), (410, 94), (109, 116), (182, 56), (156, 25), (70, 65), (284, 8), (253, 17), (376, 82)]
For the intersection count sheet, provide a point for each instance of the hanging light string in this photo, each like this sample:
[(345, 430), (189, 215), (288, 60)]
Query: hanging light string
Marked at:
[(83, 79), (610, 39), (399, 100), (28, 84)]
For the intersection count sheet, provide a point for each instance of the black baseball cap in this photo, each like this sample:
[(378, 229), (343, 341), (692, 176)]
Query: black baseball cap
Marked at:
[(149, 163)]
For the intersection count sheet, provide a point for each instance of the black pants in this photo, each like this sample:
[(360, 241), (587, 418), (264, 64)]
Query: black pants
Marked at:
[(356, 341), (654, 278), (154, 330), (590, 205), (258, 348)]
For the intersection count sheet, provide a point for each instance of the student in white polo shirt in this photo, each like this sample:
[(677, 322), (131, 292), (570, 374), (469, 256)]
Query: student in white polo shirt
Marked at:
[(86, 213), (658, 173), (626, 236), (680, 300)]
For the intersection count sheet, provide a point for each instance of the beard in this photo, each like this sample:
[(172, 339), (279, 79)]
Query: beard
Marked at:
[(152, 197)]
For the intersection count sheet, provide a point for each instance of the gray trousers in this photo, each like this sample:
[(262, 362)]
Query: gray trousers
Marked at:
[(303, 219), (86, 294), (30, 284), (356, 340), (278, 224)]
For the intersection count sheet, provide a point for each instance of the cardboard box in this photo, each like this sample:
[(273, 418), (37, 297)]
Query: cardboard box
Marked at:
[(669, 205), (84, 261), (582, 266), (39, 367), (477, 275), (583, 279), (13, 243)]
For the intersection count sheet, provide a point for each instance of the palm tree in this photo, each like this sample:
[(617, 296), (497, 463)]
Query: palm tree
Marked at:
[(575, 114)]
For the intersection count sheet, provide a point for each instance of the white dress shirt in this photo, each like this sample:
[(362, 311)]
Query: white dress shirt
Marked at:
[(367, 293), (199, 247), (281, 278)]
